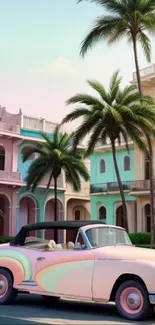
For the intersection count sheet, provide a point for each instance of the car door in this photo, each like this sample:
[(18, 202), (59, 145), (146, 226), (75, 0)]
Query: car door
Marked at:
[(66, 272)]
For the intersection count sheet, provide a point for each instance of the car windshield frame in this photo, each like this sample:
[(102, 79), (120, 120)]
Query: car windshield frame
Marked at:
[(109, 228)]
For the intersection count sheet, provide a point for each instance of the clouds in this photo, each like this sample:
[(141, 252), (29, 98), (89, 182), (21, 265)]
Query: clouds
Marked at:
[(61, 66)]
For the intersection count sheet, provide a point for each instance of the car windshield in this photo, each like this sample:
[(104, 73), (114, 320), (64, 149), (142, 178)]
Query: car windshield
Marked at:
[(107, 236)]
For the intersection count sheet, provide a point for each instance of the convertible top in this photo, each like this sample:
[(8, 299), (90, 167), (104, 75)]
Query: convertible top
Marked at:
[(19, 239)]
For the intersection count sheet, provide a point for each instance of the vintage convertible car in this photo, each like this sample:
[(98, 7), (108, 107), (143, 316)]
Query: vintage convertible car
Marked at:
[(101, 265)]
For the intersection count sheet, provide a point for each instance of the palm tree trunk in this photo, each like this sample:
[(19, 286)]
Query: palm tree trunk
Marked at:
[(125, 219), (55, 206), (151, 169), (151, 175), (137, 66)]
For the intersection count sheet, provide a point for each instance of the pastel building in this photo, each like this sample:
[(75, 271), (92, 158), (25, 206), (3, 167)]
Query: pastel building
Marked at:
[(141, 163), (134, 170), (104, 190), (17, 133)]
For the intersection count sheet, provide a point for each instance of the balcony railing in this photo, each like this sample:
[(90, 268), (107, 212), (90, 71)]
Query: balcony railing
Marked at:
[(145, 72), (131, 186), (10, 176), (38, 124), (142, 185), (9, 127)]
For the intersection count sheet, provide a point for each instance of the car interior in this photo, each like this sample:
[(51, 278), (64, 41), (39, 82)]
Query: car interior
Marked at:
[(51, 245)]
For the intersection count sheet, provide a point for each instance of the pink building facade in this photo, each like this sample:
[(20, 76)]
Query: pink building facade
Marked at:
[(18, 206)]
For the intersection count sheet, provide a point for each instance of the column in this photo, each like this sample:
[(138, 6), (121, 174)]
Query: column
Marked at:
[(14, 212)]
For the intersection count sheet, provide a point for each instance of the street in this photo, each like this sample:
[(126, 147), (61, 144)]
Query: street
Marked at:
[(32, 310)]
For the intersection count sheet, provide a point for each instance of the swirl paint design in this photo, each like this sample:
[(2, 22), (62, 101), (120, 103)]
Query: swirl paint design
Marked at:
[(18, 262), (51, 278)]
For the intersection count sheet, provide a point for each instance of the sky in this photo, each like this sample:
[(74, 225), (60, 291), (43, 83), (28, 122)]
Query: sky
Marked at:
[(40, 65)]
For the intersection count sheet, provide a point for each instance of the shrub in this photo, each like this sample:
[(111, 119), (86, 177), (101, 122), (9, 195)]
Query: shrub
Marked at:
[(140, 238), (5, 239), (145, 246)]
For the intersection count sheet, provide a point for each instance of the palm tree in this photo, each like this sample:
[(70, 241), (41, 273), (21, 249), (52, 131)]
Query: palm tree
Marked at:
[(116, 114), (135, 20), (53, 157), (132, 19)]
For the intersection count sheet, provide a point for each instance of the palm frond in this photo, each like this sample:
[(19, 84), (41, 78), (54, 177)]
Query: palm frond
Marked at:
[(84, 99), (96, 85), (146, 45), (101, 31)]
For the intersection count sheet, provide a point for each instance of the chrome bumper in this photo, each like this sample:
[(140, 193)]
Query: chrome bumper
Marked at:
[(152, 298)]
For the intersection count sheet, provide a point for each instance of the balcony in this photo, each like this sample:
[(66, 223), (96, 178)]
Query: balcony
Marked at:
[(38, 124), (10, 177), (130, 186), (141, 186), (9, 127), (109, 187), (145, 73)]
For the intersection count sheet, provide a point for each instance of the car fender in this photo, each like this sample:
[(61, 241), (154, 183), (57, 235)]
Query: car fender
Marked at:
[(18, 263), (107, 271)]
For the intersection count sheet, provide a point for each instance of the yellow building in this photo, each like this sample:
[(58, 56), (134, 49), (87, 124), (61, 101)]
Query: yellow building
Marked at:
[(141, 185)]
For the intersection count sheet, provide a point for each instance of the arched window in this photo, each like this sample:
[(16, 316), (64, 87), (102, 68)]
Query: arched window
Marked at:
[(102, 213), (25, 149), (147, 217), (102, 166), (2, 158), (77, 215), (126, 163)]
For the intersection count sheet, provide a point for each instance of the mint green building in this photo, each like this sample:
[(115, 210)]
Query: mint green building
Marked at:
[(104, 191)]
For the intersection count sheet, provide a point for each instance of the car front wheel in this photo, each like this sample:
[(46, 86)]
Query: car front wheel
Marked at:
[(7, 292), (132, 300)]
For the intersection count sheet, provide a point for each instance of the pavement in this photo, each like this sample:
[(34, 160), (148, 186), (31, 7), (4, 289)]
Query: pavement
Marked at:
[(32, 309)]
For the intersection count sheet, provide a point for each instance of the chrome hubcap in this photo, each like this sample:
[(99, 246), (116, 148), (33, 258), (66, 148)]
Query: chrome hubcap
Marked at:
[(2, 287), (133, 301)]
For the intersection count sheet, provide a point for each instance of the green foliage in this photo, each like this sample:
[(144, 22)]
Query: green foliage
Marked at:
[(132, 19), (53, 157), (145, 246), (5, 239), (115, 114), (140, 238)]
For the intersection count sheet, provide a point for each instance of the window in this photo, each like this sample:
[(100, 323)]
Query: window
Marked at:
[(147, 167), (126, 163), (2, 158), (107, 236), (77, 215), (147, 217), (102, 166), (102, 213)]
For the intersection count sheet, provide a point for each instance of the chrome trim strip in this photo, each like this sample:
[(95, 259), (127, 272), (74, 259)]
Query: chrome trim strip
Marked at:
[(114, 259)]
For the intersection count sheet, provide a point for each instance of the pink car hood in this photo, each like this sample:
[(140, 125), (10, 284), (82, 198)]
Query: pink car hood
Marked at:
[(126, 252)]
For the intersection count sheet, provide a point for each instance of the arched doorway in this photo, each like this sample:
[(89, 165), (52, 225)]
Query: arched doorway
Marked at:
[(102, 213), (76, 210), (4, 215), (119, 216), (27, 212), (49, 216), (147, 218)]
